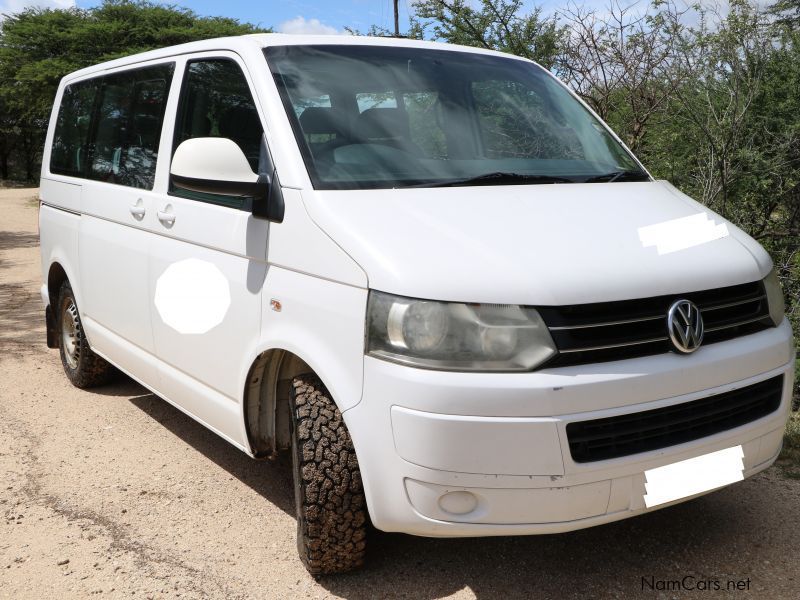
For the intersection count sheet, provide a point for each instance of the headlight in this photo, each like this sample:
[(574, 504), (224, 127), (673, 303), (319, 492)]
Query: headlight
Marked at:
[(456, 337), (774, 297)]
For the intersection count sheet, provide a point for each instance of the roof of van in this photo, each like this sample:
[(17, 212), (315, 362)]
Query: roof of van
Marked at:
[(262, 40)]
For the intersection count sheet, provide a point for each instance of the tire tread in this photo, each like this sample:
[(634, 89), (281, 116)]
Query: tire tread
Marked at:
[(332, 518)]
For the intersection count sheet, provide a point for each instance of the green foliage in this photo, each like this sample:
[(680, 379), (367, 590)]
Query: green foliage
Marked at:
[(495, 24), (39, 46), (730, 135), (787, 12)]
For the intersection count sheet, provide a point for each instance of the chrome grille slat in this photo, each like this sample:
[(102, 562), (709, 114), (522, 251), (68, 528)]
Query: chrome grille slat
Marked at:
[(729, 304), (607, 323), (589, 333), (732, 325), (610, 346), (654, 317)]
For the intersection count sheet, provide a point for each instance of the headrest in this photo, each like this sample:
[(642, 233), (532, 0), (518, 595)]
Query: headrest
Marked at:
[(383, 123), (322, 119)]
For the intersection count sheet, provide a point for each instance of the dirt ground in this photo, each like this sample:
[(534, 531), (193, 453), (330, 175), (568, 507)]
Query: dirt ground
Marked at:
[(114, 493)]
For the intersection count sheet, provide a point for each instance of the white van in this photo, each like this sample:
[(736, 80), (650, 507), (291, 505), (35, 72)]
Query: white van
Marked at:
[(428, 270)]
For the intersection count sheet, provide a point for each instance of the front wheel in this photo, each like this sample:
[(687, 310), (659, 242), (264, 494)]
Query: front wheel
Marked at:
[(329, 498)]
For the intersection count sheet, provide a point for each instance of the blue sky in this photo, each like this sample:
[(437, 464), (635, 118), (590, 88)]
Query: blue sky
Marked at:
[(319, 16), (292, 16), (300, 15)]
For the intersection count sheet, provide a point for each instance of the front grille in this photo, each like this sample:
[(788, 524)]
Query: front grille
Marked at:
[(613, 437), (589, 333)]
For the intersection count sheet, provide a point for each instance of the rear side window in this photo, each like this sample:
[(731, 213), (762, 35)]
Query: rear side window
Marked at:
[(109, 128)]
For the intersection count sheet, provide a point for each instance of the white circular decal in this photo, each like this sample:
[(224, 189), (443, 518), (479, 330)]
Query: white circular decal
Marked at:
[(192, 296)]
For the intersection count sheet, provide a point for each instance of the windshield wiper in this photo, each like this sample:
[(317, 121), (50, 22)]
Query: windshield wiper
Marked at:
[(628, 175), (497, 178)]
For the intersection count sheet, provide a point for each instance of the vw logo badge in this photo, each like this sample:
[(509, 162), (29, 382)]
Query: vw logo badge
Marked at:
[(685, 326)]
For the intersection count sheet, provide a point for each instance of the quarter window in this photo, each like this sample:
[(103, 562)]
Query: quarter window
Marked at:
[(71, 139)]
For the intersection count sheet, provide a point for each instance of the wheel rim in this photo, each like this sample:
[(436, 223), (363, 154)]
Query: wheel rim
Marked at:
[(70, 326)]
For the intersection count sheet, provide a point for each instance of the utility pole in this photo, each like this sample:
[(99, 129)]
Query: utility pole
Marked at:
[(396, 19)]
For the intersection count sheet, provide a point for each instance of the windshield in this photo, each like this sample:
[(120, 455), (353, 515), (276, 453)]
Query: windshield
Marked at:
[(387, 117)]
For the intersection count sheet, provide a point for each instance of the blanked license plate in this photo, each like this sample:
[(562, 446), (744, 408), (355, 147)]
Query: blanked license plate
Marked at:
[(693, 476)]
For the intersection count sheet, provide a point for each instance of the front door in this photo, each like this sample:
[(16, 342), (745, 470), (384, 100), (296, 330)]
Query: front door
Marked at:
[(208, 261)]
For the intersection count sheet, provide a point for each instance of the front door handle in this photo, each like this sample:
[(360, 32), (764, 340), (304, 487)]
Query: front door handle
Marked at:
[(166, 216), (137, 210)]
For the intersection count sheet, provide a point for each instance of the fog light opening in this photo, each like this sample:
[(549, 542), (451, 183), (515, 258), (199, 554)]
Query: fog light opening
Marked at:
[(458, 503)]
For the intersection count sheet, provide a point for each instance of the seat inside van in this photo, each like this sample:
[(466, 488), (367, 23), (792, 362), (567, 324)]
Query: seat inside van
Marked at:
[(387, 126)]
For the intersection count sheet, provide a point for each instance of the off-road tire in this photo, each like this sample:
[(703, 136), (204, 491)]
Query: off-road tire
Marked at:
[(83, 367), (329, 498)]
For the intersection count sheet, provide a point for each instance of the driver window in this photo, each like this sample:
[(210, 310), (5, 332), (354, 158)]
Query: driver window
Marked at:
[(216, 102)]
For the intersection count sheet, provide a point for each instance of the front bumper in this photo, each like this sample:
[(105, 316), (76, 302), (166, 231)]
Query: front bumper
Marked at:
[(502, 437)]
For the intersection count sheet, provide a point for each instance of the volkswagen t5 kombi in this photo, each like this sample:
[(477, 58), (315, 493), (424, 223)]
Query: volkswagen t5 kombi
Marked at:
[(428, 271)]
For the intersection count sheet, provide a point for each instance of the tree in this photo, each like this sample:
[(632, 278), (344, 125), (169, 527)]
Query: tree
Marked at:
[(720, 65), (618, 60), (787, 12), (495, 24), (39, 46)]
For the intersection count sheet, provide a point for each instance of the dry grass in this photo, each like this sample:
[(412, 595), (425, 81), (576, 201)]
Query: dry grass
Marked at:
[(12, 184), (789, 460)]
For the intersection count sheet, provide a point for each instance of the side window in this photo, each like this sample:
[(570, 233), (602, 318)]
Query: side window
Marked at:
[(369, 100), (216, 102), (127, 126), (108, 128), (71, 138)]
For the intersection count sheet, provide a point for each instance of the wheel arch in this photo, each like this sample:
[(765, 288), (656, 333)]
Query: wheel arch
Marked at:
[(267, 390), (266, 400), (60, 269), (56, 276)]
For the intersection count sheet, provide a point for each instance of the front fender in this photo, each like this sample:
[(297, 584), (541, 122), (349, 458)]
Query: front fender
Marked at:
[(321, 322)]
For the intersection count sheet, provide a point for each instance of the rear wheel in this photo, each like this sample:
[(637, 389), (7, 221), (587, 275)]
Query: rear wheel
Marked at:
[(82, 366), (329, 498)]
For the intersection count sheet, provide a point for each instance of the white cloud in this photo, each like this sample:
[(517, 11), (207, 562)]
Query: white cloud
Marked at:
[(14, 6), (308, 26)]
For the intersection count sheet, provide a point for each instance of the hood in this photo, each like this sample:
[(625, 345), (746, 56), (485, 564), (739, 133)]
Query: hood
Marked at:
[(537, 245)]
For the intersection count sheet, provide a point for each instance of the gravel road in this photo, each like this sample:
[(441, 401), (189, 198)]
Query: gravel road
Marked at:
[(114, 493)]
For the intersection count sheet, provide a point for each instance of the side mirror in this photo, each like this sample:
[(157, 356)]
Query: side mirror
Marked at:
[(216, 165)]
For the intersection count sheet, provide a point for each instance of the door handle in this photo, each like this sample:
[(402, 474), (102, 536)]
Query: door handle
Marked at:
[(137, 210), (166, 216)]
